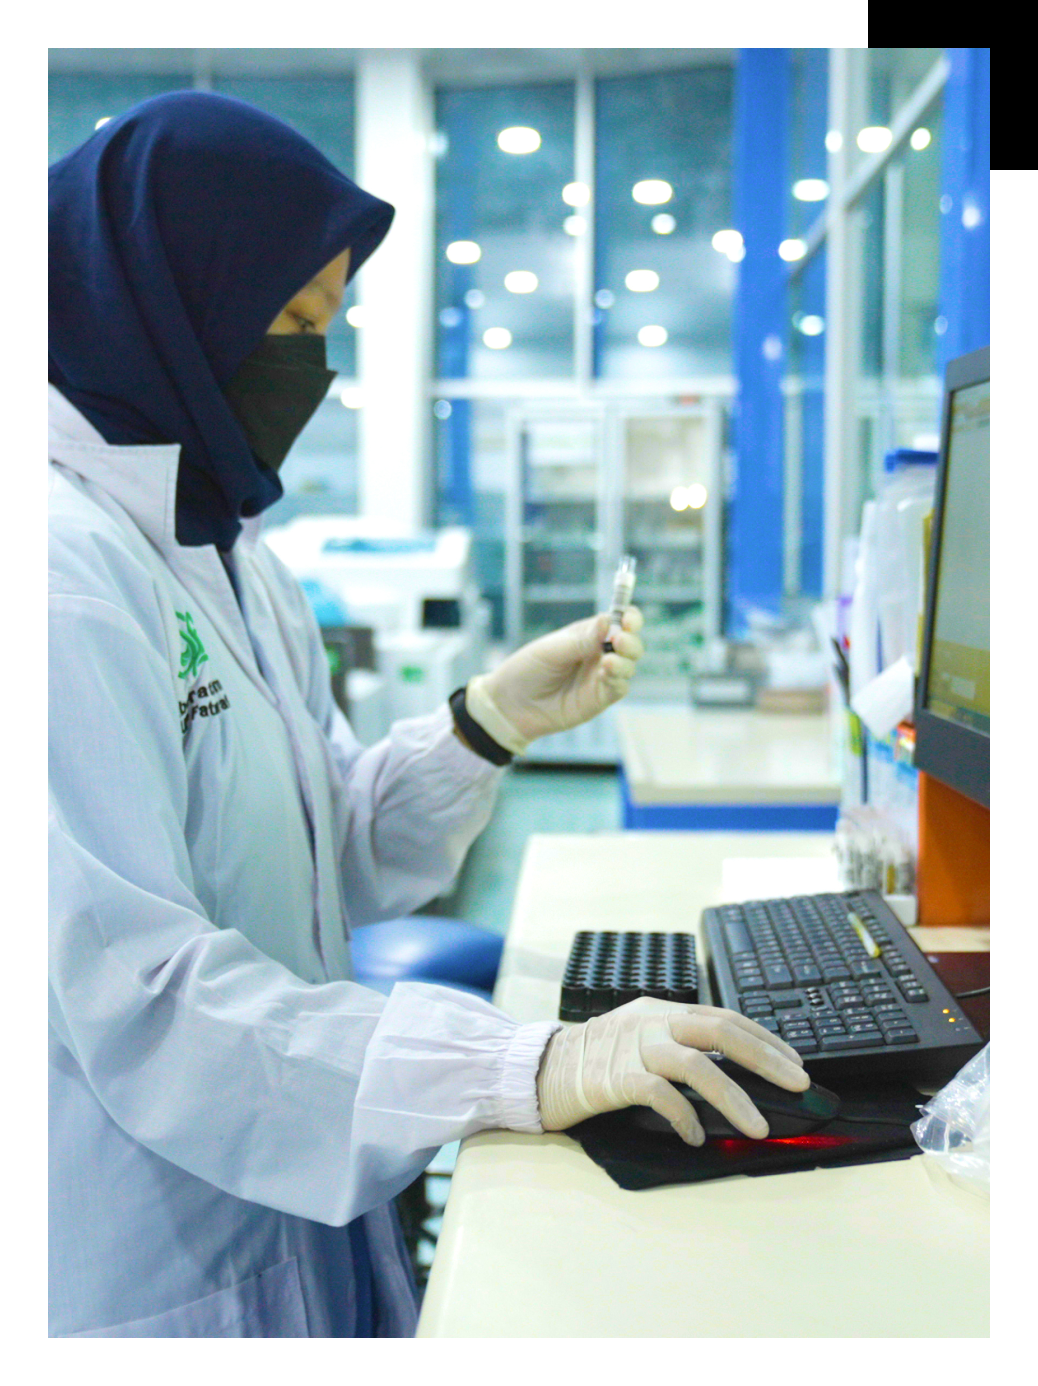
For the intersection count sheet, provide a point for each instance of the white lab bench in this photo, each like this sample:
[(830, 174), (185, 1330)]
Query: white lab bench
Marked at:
[(726, 768), (537, 1240)]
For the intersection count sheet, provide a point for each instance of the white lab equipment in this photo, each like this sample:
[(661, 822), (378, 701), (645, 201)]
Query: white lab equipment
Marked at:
[(385, 578), (417, 593)]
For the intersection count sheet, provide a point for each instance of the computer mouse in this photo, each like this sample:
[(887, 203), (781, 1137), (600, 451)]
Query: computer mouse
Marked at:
[(787, 1113)]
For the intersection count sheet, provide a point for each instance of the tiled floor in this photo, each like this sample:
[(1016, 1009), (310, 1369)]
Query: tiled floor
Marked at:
[(531, 800)]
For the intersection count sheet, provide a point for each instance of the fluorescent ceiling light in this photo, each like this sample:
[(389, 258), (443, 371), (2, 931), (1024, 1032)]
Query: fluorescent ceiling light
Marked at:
[(519, 139), (652, 191), (874, 139), (497, 338), (810, 190), (463, 252), (652, 336), (520, 282), (642, 281), (576, 194)]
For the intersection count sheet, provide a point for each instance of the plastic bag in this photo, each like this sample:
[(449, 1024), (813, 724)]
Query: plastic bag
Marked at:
[(955, 1128)]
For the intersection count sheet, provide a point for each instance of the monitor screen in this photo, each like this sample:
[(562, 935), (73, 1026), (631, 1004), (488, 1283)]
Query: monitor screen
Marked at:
[(953, 711), (959, 682)]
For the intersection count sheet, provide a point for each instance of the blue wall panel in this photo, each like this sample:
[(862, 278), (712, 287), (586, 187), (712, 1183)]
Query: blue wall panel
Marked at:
[(754, 538), (965, 226)]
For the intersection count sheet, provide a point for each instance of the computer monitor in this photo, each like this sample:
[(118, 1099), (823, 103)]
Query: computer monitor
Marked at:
[(953, 695)]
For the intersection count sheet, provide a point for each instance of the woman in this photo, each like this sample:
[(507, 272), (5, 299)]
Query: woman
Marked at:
[(231, 1116)]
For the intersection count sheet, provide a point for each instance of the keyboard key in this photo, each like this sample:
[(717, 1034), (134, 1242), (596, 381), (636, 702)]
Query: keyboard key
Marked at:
[(845, 1002), (836, 1042), (755, 1005), (830, 1027), (835, 972), (806, 972), (777, 975), (866, 967), (902, 1037), (750, 984), (784, 1000), (737, 937), (805, 1045), (857, 1027)]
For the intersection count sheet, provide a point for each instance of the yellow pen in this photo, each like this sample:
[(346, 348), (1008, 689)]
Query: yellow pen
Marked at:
[(868, 942)]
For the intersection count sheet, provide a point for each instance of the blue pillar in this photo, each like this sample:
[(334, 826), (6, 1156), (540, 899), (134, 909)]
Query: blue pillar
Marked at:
[(965, 296), (754, 535)]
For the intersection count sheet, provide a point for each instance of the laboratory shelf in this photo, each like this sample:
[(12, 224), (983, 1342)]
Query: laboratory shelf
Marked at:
[(674, 594), (559, 592), (691, 543), (551, 539), (591, 481)]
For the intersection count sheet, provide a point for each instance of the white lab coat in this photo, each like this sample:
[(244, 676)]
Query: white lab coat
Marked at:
[(223, 1098)]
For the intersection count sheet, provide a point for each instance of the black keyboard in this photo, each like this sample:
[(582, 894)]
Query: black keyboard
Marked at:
[(839, 978)]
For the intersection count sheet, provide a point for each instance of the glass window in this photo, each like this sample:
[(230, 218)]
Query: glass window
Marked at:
[(808, 121), (920, 269), (804, 382), (674, 318), (888, 77), (897, 224), (804, 389), (893, 75), (504, 261)]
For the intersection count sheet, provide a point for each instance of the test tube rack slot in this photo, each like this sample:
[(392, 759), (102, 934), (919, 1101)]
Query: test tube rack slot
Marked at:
[(606, 969)]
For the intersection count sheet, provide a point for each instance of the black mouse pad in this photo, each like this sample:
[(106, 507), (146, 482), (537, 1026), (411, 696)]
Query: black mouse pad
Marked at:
[(872, 1124)]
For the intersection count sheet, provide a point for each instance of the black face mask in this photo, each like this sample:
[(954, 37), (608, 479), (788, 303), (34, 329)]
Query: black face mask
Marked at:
[(276, 390)]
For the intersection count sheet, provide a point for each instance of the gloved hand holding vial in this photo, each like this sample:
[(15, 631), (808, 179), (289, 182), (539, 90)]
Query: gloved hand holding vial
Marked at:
[(562, 679)]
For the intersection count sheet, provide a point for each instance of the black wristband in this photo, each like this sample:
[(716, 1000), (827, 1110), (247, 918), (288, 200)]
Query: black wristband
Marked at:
[(481, 742)]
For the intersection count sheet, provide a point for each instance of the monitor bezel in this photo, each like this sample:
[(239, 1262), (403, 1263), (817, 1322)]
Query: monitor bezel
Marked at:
[(958, 756)]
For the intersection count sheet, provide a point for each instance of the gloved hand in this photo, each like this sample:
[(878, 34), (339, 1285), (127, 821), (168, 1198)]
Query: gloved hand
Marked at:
[(556, 682), (624, 1058)]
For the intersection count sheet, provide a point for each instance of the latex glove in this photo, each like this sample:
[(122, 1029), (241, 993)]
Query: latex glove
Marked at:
[(556, 682), (625, 1057)]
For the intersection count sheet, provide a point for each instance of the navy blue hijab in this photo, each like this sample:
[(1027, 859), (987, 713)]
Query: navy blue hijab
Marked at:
[(178, 232)]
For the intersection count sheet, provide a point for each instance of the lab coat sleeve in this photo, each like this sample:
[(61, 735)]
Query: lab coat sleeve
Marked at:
[(406, 809), (319, 1100)]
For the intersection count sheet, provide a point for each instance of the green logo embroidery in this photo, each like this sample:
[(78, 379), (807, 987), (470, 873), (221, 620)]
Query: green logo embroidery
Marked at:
[(193, 655)]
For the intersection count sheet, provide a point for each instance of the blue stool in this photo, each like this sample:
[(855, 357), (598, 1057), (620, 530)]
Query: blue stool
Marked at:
[(427, 948)]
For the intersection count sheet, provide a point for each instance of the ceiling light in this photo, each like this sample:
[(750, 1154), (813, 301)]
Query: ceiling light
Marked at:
[(874, 139), (355, 315), (663, 223), (350, 396), (519, 139), (574, 226), (576, 194), (810, 190), (729, 243), (520, 282), (475, 298), (642, 281), (696, 496), (679, 498), (833, 141), (920, 138), (450, 317), (652, 191), (605, 298), (442, 409), (792, 249), (497, 338), (463, 252), (811, 325), (971, 215), (652, 336)]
